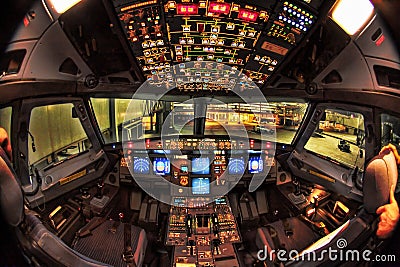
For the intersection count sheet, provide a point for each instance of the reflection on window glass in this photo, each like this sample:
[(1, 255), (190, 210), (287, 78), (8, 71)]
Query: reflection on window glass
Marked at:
[(111, 116), (282, 117), (390, 130), (149, 117), (182, 118), (340, 136), (56, 133), (5, 119)]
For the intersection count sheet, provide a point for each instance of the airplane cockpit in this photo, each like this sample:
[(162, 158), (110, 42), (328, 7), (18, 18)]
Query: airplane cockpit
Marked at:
[(194, 133)]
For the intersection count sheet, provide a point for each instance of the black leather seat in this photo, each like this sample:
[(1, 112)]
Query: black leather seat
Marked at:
[(359, 232), (42, 243), (288, 234), (107, 243)]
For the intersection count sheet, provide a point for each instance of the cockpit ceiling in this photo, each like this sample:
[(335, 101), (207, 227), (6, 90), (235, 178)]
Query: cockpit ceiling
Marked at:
[(253, 37)]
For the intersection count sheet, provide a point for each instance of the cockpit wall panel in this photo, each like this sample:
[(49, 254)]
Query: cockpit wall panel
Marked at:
[(50, 52), (34, 23)]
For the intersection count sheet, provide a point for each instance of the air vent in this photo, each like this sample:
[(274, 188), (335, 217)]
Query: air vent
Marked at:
[(11, 62), (332, 77), (388, 77), (119, 80), (287, 85), (69, 67)]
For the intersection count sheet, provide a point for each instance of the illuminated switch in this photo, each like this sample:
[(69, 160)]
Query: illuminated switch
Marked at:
[(205, 41), (252, 33), (186, 28), (230, 26), (200, 58), (227, 52), (210, 56), (242, 32), (190, 41), (257, 58), (145, 44), (241, 45), (234, 44), (220, 42), (200, 27), (215, 29), (160, 42), (187, 58), (182, 41), (171, 5)]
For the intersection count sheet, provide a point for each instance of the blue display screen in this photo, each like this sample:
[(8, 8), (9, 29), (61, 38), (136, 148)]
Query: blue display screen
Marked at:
[(184, 168), (200, 186), (161, 166), (236, 166), (255, 164), (201, 166), (141, 165)]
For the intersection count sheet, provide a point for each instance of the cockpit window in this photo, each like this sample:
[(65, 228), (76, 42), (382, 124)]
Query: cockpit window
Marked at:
[(148, 118), (55, 134), (339, 136), (390, 127), (111, 116)]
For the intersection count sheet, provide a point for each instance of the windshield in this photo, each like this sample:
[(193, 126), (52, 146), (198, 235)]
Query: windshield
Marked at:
[(148, 118)]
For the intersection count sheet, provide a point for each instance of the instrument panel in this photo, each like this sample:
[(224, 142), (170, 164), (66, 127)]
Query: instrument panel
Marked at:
[(196, 163), (252, 37)]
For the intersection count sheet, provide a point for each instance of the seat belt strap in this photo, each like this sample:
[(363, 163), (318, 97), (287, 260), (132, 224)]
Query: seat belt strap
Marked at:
[(287, 227), (114, 227), (128, 256)]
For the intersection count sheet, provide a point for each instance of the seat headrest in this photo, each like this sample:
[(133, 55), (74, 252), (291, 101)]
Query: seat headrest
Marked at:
[(380, 175), (11, 197)]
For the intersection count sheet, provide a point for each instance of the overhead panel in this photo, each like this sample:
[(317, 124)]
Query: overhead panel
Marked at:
[(252, 37)]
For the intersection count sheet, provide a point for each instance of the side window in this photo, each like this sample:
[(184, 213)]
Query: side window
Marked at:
[(390, 130), (55, 134), (339, 136), (5, 119)]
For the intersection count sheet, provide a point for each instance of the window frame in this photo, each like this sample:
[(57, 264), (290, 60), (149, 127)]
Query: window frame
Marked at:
[(23, 122)]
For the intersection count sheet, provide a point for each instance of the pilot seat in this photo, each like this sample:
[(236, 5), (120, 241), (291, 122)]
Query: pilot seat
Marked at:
[(293, 234), (112, 242), (109, 243)]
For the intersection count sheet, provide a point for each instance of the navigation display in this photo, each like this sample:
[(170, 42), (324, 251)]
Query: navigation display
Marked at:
[(200, 186), (236, 166), (141, 165), (255, 164), (201, 166), (161, 166)]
